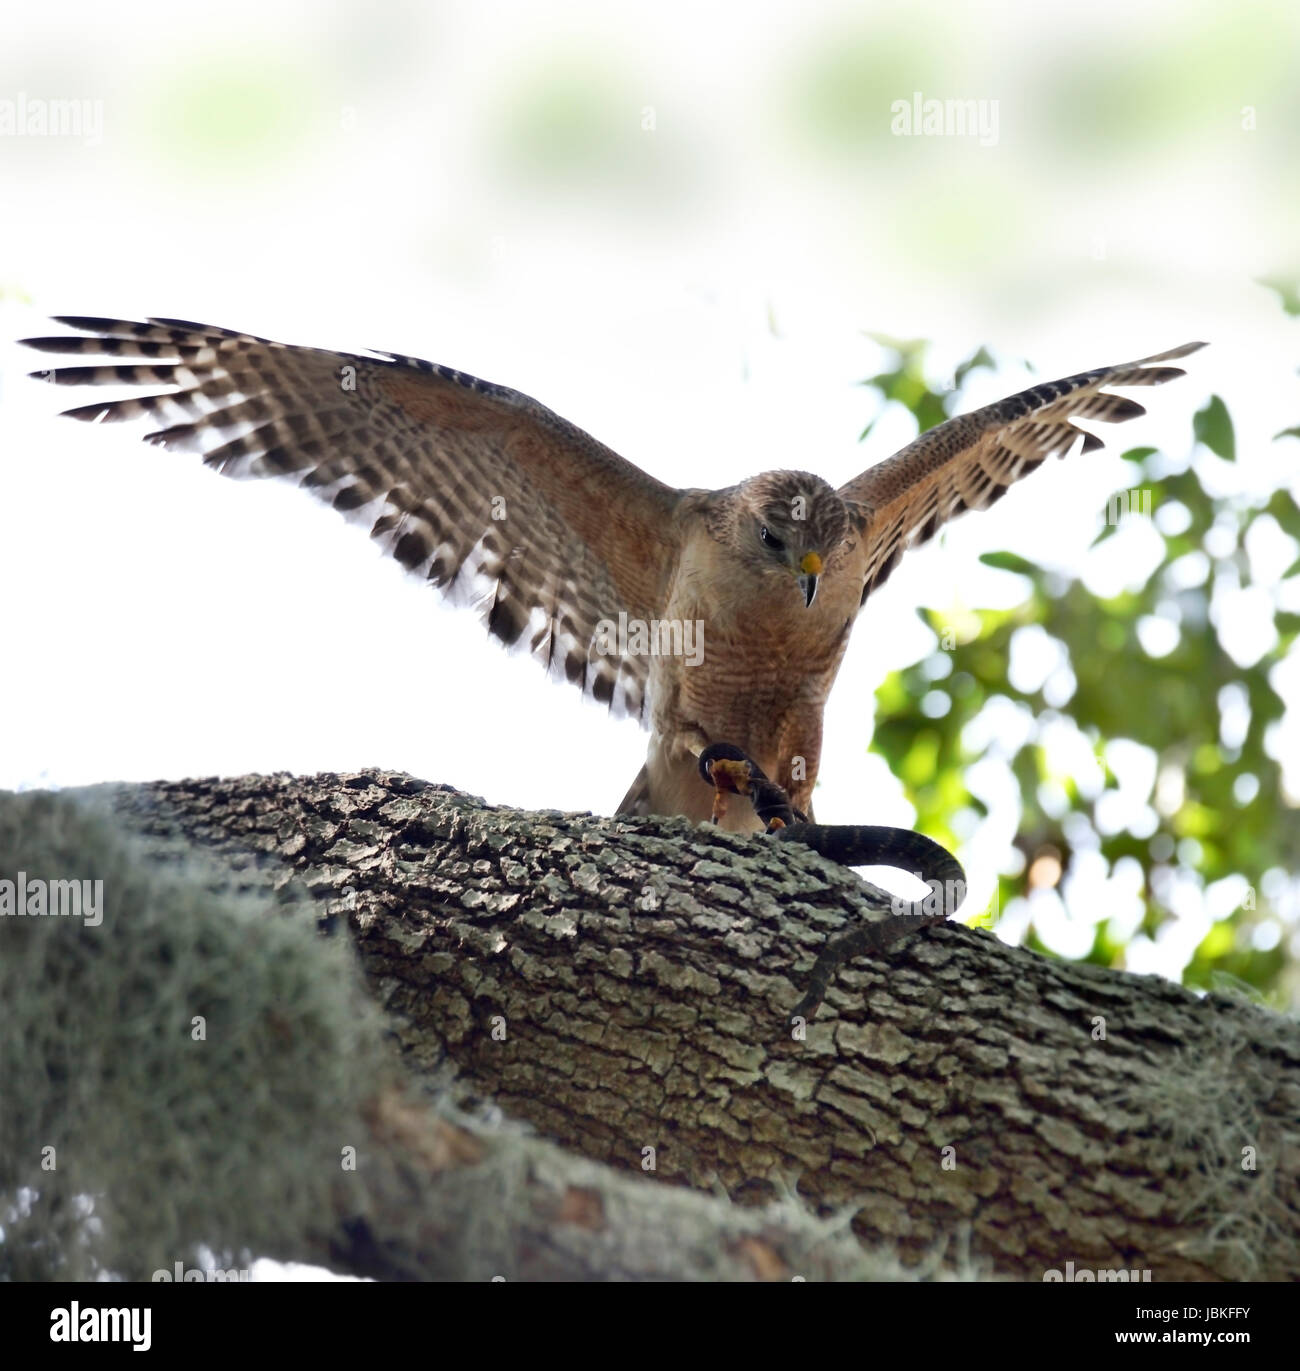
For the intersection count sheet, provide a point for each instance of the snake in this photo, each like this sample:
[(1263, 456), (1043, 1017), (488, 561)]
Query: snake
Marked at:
[(728, 769)]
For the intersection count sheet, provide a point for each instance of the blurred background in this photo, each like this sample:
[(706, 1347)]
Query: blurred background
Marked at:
[(717, 239)]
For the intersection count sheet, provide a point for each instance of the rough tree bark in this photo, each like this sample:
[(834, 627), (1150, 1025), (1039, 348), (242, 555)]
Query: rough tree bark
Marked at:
[(624, 985)]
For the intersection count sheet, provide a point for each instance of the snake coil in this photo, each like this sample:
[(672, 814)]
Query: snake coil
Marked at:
[(728, 769)]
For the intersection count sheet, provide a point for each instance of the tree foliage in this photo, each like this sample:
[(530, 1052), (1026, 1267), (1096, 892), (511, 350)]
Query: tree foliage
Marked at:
[(1141, 670)]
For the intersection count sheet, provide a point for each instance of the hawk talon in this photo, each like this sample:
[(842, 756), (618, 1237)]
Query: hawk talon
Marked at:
[(727, 776)]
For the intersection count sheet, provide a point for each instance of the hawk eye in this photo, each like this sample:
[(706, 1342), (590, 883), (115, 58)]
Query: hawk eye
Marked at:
[(771, 539)]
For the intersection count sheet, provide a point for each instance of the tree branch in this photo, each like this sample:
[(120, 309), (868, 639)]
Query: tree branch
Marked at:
[(623, 986)]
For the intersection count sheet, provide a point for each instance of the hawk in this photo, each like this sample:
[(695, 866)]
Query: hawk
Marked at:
[(709, 615)]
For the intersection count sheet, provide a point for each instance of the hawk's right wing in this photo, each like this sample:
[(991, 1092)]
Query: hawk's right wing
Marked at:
[(970, 461), (476, 488)]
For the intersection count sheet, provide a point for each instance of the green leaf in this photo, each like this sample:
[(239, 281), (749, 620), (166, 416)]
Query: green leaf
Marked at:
[(1288, 433), (1138, 454), (1213, 427), (1282, 506), (905, 347), (980, 358), (1287, 290), (1009, 561)]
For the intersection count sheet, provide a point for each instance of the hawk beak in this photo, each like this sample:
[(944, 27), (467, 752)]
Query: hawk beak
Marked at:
[(809, 569)]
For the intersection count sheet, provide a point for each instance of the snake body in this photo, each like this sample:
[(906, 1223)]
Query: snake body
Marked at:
[(728, 769)]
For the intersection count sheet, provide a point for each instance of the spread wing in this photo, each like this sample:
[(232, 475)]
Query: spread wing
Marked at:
[(970, 461), (482, 491)]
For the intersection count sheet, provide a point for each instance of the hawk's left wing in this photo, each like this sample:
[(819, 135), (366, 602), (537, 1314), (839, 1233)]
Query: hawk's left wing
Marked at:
[(970, 461)]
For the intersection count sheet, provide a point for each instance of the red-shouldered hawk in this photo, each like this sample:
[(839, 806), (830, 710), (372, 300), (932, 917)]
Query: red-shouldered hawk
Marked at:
[(710, 615)]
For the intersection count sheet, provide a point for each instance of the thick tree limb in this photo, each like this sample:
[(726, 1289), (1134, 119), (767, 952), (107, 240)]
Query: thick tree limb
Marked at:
[(623, 985), (184, 1069)]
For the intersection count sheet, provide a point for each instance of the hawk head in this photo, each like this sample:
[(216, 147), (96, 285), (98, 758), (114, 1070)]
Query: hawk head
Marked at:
[(788, 524)]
